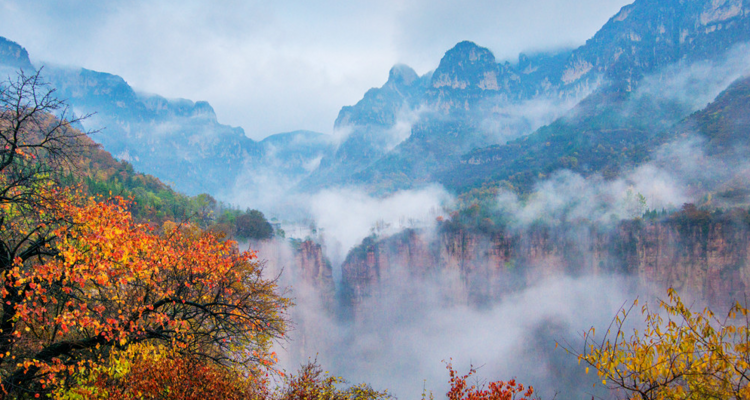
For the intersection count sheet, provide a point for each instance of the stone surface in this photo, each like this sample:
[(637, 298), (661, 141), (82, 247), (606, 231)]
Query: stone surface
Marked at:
[(709, 261)]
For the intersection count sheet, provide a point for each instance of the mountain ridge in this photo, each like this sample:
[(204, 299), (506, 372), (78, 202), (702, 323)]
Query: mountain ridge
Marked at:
[(470, 122), (641, 40), (178, 140)]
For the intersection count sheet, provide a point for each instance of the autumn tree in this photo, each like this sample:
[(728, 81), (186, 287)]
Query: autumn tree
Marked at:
[(678, 354), (81, 279), (37, 143), (115, 282)]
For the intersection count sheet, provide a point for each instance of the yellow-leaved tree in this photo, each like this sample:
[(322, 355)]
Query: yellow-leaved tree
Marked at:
[(678, 354)]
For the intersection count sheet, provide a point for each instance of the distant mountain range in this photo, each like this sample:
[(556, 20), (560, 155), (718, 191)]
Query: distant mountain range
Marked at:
[(477, 123), (471, 123), (177, 140)]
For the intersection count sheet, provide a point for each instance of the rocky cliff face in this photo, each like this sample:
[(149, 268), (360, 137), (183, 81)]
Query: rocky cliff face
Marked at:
[(314, 268), (643, 37), (380, 106), (305, 275), (706, 258), (468, 74)]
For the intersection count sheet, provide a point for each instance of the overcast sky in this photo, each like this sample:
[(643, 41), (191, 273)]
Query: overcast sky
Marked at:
[(277, 66)]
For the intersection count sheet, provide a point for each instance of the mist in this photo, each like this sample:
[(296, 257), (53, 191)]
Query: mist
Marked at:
[(409, 322), (389, 288), (568, 196), (405, 295), (346, 216), (504, 121), (402, 338), (696, 84), (401, 334)]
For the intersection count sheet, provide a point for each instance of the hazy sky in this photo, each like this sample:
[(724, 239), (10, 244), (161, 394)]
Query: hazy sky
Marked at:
[(276, 66)]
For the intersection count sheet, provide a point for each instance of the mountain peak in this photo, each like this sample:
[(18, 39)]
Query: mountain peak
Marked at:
[(468, 52), (467, 66), (14, 55), (402, 74), (466, 74), (203, 109)]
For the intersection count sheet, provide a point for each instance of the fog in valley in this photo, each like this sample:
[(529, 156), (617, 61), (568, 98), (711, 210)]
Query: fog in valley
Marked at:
[(478, 184), (410, 322)]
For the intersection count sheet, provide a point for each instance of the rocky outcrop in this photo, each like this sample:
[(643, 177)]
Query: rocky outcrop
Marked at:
[(381, 106), (371, 127), (468, 74), (707, 258), (314, 268), (304, 274), (697, 252), (14, 56), (645, 36)]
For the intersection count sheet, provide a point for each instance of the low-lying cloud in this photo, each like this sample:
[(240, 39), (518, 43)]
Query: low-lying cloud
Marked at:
[(696, 84), (403, 337), (507, 121), (347, 216), (680, 172), (400, 335), (567, 196)]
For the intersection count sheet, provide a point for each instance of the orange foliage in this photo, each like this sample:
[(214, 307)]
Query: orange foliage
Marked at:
[(114, 282), (182, 379), (173, 377), (499, 390), (81, 280)]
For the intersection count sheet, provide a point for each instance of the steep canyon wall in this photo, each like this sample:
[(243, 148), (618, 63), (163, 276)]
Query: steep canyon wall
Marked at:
[(707, 258)]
